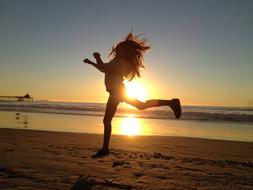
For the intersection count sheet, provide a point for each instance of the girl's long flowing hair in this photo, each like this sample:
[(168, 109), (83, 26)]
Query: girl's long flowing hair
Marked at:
[(132, 50)]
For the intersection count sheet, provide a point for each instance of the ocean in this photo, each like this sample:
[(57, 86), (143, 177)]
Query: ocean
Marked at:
[(223, 123)]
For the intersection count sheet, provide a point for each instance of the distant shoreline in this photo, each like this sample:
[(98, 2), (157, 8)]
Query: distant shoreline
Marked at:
[(144, 125), (201, 113), (100, 135)]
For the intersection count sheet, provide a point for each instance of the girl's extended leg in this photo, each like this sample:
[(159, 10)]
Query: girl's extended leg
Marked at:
[(174, 104)]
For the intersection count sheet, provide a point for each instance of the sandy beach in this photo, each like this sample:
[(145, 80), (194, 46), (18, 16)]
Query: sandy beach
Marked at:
[(56, 160)]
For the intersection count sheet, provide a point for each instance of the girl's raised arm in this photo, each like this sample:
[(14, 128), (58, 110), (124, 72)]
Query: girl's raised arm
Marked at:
[(99, 61), (100, 67)]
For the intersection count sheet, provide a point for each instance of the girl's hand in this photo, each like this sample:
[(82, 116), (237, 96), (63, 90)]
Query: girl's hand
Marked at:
[(87, 61), (96, 55)]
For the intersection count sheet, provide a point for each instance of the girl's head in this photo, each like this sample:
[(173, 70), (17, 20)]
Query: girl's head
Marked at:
[(132, 50)]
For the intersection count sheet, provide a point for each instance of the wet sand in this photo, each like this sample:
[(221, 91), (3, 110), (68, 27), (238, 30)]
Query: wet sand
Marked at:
[(56, 160)]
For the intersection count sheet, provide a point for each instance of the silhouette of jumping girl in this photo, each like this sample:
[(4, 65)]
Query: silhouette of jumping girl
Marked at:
[(126, 63)]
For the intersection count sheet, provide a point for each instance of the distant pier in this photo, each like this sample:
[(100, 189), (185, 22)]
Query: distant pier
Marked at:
[(25, 98)]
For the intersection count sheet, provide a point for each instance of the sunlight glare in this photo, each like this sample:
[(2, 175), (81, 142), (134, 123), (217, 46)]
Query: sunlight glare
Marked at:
[(136, 90)]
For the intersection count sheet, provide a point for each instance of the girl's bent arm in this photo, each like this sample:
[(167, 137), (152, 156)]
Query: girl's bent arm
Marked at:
[(100, 67)]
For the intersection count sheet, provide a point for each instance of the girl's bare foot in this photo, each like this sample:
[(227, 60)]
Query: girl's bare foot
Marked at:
[(101, 153)]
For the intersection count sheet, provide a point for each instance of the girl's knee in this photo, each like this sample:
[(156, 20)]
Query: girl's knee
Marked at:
[(141, 106), (136, 103)]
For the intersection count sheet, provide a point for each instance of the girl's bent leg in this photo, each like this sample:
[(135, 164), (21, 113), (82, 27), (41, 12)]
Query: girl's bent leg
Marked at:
[(148, 104), (174, 104)]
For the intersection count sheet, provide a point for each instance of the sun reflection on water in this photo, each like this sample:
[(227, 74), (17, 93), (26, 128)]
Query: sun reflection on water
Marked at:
[(130, 126)]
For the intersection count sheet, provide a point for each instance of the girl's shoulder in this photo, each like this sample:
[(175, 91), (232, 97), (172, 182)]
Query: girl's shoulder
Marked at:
[(121, 65), (117, 62), (121, 61)]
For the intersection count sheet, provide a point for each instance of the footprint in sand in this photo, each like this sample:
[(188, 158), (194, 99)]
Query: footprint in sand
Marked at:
[(90, 184), (120, 163)]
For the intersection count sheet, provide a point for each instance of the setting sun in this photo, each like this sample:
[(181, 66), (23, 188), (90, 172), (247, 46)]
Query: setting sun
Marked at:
[(135, 89)]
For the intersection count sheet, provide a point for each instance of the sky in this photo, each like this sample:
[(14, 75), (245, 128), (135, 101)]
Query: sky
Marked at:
[(201, 51)]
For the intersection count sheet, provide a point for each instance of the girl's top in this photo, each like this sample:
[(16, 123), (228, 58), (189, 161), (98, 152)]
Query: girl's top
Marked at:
[(114, 74)]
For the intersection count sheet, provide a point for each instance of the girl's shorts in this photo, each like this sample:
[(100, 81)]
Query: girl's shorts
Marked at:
[(118, 93)]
